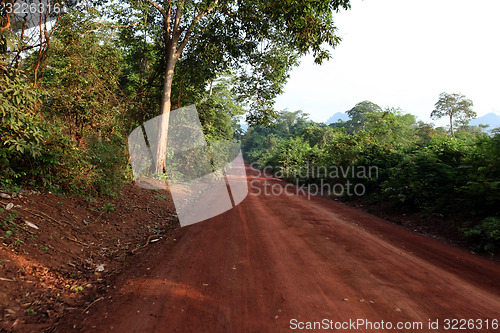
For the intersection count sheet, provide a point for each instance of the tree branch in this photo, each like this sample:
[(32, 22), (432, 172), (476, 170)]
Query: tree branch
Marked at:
[(195, 21), (177, 20), (169, 12), (7, 24), (157, 6)]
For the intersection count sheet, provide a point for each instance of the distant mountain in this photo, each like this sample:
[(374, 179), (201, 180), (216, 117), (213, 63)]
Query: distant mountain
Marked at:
[(489, 119), (336, 117)]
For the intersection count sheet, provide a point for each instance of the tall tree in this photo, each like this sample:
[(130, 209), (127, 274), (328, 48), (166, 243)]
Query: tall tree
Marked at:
[(456, 107), (359, 115), (263, 35)]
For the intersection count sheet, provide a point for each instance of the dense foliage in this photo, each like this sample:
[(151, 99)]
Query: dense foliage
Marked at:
[(415, 167), (66, 109)]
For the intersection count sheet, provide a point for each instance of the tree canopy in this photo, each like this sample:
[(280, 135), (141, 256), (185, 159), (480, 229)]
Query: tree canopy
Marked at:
[(456, 107), (258, 40)]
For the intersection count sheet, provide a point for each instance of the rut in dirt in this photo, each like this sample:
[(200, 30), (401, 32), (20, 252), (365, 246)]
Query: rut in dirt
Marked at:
[(276, 262)]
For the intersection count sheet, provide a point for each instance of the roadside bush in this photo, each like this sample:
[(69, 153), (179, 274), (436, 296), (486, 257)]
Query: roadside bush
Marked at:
[(480, 192), (98, 168), (290, 155), (344, 148), (486, 234), (384, 157), (420, 181), (29, 145), (35, 152)]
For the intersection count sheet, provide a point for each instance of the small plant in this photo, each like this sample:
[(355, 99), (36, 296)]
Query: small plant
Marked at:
[(76, 288), (17, 243), (7, 224), (9, 218), (29, 310), (108, 207)]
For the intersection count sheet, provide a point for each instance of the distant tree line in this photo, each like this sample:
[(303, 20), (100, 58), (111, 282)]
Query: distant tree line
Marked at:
[(421, 168)]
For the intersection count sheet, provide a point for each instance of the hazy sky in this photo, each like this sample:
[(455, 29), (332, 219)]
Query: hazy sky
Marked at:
[(403, 53)]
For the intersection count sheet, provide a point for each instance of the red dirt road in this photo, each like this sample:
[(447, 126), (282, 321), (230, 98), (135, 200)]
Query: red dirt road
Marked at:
[(278, 260)]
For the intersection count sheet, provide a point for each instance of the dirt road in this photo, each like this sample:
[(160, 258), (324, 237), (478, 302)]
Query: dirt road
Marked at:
[(278, 263)]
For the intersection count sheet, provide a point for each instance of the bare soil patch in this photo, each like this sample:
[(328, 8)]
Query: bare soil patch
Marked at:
[(59, 254)]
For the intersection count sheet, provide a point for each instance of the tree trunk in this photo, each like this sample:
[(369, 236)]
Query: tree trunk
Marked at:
[(161, 149), (451, 126)]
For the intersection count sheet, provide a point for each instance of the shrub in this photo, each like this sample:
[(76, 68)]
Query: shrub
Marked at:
[(486, 234), (29, 145)]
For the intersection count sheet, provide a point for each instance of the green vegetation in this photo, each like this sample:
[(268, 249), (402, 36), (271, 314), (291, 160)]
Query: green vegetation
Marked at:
[(486, 234), (456, 107), (108, 207), (7, 222), (420, 168), (71, 92)]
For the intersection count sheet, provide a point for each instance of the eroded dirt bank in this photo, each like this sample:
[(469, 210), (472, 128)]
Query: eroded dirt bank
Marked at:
[(58, 254)]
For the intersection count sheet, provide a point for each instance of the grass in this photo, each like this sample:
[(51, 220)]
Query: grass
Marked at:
[(160, 196), (7, 223)]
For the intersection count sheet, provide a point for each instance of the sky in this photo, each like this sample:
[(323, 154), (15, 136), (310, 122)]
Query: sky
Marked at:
[(402, 53)]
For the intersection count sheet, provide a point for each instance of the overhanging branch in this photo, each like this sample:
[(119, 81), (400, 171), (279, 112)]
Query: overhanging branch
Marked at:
[(158, 7), (195, 21)]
